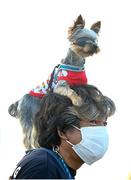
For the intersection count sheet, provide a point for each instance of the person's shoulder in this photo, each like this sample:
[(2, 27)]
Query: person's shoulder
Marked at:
[(37, 163), (36, 158), (39, 156)]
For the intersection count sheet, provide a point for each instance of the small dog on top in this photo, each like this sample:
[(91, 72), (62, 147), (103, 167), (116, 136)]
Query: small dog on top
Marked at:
[(70, 73)]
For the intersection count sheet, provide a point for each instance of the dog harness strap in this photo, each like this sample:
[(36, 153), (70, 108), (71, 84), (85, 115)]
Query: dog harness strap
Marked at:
[(71, 68), (53, 78)]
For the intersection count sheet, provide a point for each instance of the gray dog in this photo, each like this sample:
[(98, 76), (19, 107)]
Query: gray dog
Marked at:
[(70, 73)]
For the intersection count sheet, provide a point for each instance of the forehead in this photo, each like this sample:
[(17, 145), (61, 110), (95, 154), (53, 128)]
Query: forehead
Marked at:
[(79, 33)]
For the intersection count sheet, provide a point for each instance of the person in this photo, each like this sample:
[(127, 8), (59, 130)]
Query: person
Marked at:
[(65, 140)]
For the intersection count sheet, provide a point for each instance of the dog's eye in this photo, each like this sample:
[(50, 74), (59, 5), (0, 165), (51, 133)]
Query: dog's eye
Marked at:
[(82, 41)]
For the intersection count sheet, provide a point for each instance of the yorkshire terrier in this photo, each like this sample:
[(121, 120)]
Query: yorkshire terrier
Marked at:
[(70, 73), (84, 43)]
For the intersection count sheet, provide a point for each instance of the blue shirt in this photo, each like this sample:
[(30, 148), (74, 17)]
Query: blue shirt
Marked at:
[(42, 163)]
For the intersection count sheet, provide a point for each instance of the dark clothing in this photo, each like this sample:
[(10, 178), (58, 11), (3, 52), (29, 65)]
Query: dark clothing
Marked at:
[(42, 163)]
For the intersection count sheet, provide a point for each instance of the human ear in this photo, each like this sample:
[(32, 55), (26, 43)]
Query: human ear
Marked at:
[(62, 135)]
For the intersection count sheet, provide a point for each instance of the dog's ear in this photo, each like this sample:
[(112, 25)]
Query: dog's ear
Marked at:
[(79, 22), (96, 26)]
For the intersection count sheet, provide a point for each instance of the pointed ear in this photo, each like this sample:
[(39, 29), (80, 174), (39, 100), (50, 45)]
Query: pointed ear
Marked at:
[(79, 22), (96, 26)]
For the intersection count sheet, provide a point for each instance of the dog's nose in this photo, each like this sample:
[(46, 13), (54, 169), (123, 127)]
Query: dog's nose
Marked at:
[(95, 46), (91, 44)]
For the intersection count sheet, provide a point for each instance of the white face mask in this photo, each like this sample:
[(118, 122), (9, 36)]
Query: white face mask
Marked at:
[(93, 145)]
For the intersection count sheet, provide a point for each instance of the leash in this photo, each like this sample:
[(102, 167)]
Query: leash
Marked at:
[(50, 88)]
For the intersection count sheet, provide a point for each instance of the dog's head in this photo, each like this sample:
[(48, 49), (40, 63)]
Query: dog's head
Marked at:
[(84, 42)]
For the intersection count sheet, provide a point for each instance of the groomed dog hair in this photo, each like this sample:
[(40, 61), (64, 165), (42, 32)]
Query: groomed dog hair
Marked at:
[(25, 110), (95, 105)]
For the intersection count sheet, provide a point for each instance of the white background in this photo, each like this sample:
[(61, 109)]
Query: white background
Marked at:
[(33, 39)]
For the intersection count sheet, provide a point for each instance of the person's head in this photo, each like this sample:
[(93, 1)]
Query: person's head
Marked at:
[(60, 124), (53, 117)]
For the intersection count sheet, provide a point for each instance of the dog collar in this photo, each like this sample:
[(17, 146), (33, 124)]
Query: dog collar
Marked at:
[(71, 68)]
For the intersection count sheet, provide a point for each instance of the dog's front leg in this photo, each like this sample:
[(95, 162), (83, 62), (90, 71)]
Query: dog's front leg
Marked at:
[(63, 88)]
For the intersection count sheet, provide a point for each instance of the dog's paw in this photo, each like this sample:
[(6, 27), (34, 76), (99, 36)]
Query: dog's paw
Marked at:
[(67, 91), (77, 101)]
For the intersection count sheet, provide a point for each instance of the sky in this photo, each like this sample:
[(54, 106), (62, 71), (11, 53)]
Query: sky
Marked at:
[(33, 39)]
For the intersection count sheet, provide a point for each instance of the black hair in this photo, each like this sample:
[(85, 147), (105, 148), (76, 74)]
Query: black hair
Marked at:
[(54, 115)]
